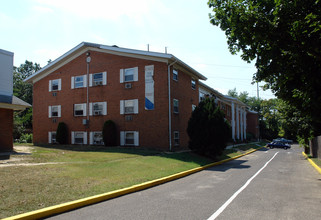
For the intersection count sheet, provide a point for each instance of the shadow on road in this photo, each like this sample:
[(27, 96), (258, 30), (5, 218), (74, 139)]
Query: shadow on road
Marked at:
[(234, 164)]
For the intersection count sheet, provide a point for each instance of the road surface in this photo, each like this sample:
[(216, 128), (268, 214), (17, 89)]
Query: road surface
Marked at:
[(267, 184)]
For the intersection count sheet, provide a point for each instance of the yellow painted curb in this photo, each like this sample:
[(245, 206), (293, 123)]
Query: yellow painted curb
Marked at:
[(312, 163), (52, 210)]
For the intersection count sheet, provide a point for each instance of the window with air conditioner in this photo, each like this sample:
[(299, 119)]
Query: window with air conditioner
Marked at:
[(98, 108), (98, 138), (97, 79), (129, 106)]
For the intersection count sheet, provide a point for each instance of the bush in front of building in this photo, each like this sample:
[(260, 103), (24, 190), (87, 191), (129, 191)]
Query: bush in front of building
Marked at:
[(208, 130), (62, 133), (109, 133)]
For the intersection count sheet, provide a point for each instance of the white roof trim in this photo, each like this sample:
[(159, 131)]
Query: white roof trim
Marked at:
[(168, 57)]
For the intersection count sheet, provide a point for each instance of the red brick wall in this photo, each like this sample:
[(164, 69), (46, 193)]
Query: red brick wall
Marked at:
[(151, 124), (6, 129), (182, 91)]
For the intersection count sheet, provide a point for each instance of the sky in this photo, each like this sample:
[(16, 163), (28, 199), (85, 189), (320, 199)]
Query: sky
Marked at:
[(40, 30)]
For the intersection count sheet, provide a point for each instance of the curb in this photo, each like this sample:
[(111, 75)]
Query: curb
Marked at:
[(57, 209), (312, 163)]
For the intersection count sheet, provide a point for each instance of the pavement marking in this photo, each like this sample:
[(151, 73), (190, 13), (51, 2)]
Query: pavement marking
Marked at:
[(221, 209)]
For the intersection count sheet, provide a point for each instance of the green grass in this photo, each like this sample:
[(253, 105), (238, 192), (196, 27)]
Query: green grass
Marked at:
[(317, 161), (83, 171)]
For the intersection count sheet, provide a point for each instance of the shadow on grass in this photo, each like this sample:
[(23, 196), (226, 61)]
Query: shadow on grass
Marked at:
[(189, 157)]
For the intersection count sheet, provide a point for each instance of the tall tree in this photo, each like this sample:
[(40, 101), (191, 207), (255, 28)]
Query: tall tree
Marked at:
[(283, 38), (23, 90)]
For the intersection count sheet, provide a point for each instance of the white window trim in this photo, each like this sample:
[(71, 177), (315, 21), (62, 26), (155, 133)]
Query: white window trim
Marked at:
[(176, 73), (193, 80), (73, 81), (83, 108), (122, 75), (50, 85), (73, 137), (123, 136), (91, 108), (50, 137), (50, 111), (91, 137), (122, 106), (91, 79)]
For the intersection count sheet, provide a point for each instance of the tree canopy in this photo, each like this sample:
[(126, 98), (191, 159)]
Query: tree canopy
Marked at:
[(283, 37)]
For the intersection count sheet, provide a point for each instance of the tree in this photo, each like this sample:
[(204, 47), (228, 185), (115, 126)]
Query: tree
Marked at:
[(62, 133), (208, 130), (23, 90), (283, 38), (109, 133)]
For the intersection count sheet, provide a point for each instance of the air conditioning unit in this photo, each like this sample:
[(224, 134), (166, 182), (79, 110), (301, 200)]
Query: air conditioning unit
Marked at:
[(98, 112), (128, 118), (54, 120), (54, 94), (98, 83), (128, 85)]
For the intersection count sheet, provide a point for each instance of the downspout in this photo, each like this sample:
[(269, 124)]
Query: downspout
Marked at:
[(169, 105), (88, 59)]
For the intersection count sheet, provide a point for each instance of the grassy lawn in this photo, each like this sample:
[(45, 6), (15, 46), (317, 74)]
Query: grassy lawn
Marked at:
[(315, 160), (68, 173)]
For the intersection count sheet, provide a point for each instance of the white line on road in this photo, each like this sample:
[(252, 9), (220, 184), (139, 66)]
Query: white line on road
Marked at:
[(221, 209)]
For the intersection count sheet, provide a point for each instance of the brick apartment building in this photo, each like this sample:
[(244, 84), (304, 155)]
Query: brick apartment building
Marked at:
[(241, 119), (149, 96), (8, 102)]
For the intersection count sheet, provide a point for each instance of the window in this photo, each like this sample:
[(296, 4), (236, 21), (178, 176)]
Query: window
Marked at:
[(175, 105), (96, 138), (78, 81), (202, 96), (176, 138), (129, 106), (193, 82), (129, 138), (52, 137), (175, 75), (54, 111), (80, 109), (98, 108), (98, 79), (193, 107), (78, 137), (55, 85), (129, 75)]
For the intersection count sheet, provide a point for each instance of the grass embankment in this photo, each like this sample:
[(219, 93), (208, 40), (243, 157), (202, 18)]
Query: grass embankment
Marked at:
[(317, 161), (74, 172)]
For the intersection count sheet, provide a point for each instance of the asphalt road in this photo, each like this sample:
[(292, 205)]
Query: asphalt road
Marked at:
[(267, 184)]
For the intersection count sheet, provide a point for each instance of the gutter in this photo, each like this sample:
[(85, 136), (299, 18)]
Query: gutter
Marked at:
[(169, 105)]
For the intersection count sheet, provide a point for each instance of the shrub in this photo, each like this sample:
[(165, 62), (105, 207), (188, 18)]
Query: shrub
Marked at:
[(208, 130), (109, 133), (62, 133), (25, 138)]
